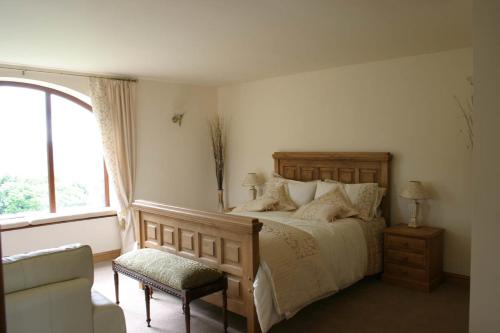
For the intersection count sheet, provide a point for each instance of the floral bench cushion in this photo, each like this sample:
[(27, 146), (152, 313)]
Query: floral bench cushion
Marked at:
[(169, 269)]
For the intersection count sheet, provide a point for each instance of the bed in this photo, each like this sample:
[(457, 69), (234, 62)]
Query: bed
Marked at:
[(231, 242)]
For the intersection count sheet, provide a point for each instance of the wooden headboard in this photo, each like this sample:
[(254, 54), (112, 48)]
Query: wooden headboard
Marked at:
[(344, 167)]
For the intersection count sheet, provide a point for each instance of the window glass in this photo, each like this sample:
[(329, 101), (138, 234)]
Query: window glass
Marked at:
[(23, 151), (78, 162), (25, 142)]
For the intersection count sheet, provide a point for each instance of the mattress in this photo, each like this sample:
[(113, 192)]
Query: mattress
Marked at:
[(350, 250)]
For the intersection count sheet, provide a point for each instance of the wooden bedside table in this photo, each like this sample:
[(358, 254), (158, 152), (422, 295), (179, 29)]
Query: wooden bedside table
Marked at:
[(413, 257)]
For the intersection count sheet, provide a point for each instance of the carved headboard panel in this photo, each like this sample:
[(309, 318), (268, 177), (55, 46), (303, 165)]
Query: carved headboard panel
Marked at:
[(344, 167)]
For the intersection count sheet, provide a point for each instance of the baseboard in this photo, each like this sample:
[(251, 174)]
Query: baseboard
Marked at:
[(106, 256), (457, 278)]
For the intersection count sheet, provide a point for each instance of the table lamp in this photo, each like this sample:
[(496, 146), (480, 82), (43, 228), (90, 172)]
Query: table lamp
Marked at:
[(251, 180), (415, 191)]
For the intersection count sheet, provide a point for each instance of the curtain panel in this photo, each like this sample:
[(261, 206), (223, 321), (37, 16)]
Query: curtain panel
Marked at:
[(114, 106)]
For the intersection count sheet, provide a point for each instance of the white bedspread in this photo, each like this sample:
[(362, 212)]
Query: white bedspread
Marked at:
[(343, 249)]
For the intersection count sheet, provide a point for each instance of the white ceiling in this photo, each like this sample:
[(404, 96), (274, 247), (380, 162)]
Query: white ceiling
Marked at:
[(221, 41)]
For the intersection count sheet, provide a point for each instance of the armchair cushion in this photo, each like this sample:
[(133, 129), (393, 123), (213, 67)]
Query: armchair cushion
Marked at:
[(54, 308)]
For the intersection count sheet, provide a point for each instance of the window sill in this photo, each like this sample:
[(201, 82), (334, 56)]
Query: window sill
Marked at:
[(56, 218)]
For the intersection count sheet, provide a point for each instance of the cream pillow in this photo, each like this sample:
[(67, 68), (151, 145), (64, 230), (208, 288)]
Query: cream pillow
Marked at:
[(276, 190), (261, 204), (364, 198), (328, 207), (325, 187)]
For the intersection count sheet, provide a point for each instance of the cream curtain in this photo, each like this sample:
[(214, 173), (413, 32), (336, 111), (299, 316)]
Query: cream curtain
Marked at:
[(113, 103)]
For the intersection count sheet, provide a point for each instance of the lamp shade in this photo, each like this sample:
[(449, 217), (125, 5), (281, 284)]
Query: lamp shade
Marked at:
[(251, 179), (414, 190)]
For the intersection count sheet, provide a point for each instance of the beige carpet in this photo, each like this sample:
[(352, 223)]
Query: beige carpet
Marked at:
[(368, 306)]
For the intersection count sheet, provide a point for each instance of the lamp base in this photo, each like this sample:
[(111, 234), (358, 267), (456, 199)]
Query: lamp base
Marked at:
[(413, 223), (252, 193)]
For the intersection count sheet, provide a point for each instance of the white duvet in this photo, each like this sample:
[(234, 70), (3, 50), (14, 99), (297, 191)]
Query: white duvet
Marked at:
[(343, 249)]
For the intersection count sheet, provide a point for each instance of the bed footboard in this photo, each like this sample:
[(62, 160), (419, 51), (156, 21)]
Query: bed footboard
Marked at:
[(228, 243)]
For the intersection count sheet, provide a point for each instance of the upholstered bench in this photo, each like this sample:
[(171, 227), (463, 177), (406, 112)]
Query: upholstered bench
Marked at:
[(176, 275)]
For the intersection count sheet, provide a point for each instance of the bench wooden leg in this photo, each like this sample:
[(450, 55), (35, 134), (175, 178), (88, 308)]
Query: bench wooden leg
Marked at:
[(224, 308), (187, 315), (116, 288), (147, 297)]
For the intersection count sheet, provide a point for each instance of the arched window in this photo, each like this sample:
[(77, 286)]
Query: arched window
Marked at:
[(50, 152)]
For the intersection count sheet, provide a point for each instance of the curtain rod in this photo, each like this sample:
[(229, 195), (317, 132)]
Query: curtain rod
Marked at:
[(48, 71)]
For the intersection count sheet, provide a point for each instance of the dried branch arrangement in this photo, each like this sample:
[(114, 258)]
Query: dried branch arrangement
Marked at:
[(218, 138), (466, 109)]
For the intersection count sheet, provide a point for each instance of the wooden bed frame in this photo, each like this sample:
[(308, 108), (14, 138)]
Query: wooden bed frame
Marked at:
[(231, 243)]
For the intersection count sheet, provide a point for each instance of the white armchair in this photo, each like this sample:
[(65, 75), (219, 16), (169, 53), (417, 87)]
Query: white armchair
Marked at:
[(49, 291)]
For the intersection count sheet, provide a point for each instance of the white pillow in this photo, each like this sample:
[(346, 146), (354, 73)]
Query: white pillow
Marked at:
[(301, 193)]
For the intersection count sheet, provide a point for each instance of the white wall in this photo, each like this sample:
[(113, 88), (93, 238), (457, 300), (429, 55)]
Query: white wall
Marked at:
[(100, 233), (485, 268), (173, 162), (404, 106)]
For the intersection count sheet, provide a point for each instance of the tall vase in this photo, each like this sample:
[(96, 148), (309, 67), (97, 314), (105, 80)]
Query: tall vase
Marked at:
[(220, 206)]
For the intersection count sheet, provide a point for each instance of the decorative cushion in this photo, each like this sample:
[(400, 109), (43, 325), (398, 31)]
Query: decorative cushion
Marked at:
[(260, 204), (363, 197), (172, 270), (328, 207), (325, 187), (376, 212), (276, 190)]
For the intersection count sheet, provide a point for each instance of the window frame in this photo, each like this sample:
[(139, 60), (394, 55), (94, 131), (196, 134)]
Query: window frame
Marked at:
[(48, 125)]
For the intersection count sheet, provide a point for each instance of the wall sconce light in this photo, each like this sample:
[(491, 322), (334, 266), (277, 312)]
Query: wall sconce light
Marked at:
[(177, 118)]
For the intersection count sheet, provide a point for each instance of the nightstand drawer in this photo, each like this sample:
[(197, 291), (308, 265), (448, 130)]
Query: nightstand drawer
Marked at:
[(405, 243), (404, 272), (413, 256), (404, 258)]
